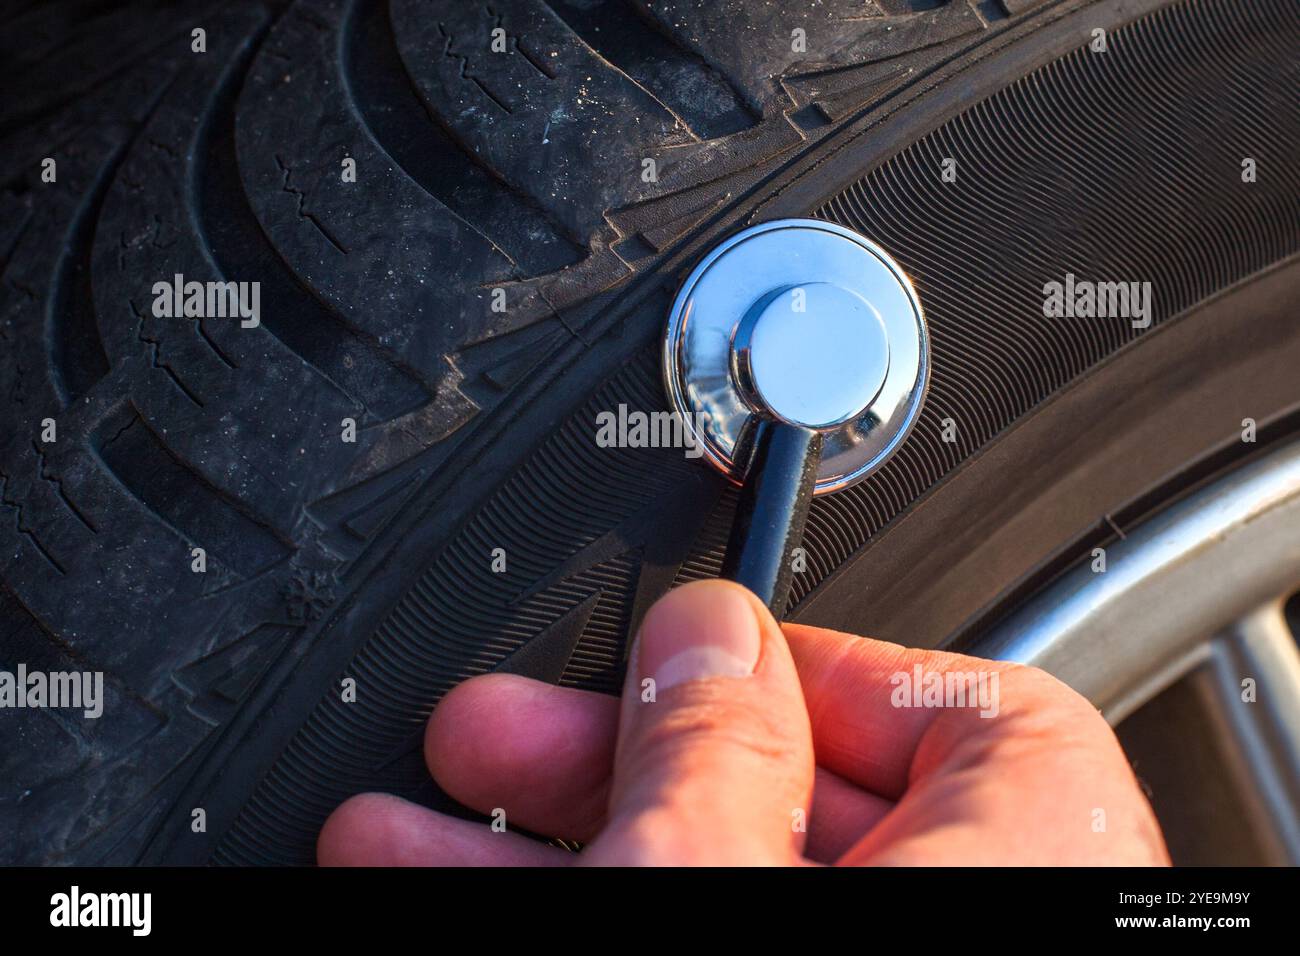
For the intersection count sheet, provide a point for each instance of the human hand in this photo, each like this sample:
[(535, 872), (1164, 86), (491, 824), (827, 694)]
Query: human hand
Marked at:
[(762, 748)]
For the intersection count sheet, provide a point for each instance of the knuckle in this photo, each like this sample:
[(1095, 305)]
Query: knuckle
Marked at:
[(1033, 691), (712, 722)]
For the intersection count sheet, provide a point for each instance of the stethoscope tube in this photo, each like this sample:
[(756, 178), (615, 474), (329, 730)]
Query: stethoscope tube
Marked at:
[(772, 510)]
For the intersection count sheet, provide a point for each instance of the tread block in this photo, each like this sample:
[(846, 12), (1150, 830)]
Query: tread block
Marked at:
[(548, 114)]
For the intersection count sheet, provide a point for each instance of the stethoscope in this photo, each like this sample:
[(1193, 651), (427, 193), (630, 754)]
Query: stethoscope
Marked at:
[(797, 355)]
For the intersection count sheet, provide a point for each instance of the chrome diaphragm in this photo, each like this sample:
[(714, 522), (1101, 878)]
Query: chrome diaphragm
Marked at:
[(801, 322)]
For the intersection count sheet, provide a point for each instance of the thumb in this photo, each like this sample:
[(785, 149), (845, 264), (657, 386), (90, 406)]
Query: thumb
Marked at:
[(714, 763)]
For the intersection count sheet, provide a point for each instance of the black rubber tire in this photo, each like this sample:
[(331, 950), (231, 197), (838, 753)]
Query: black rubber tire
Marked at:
[(526, 171)]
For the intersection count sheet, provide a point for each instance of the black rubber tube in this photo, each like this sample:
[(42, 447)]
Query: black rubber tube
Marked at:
[(772, 511)]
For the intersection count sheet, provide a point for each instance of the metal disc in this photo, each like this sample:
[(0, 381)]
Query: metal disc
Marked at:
[(806, 322)]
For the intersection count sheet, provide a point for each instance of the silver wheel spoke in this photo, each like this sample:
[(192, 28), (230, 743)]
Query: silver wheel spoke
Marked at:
[(1251, 690)]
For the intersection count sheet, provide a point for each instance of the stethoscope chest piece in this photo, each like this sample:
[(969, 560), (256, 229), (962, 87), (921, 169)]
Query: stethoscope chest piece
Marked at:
[(802, 321), (796, 348)]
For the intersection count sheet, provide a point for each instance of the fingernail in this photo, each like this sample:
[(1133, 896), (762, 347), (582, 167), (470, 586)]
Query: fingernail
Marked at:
[(706, 629)]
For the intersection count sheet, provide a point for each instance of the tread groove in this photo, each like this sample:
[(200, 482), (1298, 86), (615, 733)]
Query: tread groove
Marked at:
[(291, 312), (677, 77), (180, 498), (77, 356), (422, 148)]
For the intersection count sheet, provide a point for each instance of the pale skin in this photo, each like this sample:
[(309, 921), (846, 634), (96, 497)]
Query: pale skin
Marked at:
[(764, 745)]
